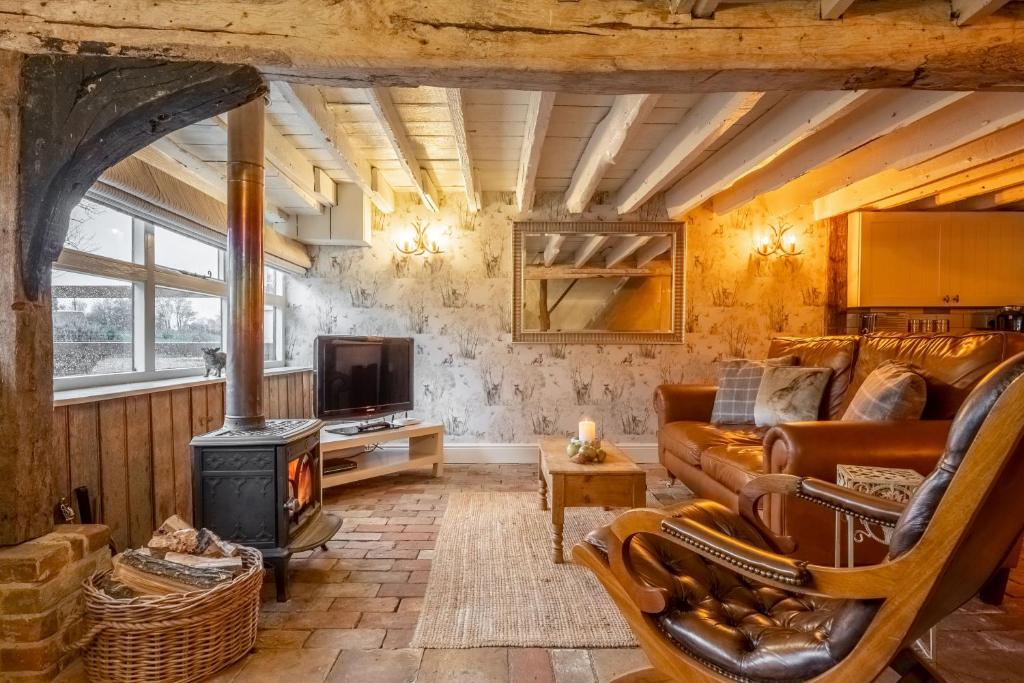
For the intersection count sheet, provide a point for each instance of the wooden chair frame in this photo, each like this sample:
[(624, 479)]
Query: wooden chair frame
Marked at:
[(904, 584)]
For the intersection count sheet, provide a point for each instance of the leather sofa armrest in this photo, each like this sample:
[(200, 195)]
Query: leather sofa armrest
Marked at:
[(848, 501), (723, 549), (813, 449), (690, 402)]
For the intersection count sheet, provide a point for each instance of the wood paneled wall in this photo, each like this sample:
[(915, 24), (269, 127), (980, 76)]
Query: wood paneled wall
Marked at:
[(132, 452)]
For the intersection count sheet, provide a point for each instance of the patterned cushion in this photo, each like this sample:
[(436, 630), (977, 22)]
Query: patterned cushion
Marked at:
[(790, 394), (738, 382), (893, 391)]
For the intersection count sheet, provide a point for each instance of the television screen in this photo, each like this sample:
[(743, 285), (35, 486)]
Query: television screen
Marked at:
[(360, 377)]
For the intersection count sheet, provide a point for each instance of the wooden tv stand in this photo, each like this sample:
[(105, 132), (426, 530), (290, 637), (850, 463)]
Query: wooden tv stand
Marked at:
[(426, 448)]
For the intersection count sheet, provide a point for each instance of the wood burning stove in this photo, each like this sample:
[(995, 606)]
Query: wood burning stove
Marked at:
[(260, 486)]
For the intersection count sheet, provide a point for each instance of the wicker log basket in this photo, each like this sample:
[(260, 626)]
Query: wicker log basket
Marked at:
[(179, 637)]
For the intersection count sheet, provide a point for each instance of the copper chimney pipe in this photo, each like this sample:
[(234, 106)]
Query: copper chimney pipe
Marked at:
[(243, 403)]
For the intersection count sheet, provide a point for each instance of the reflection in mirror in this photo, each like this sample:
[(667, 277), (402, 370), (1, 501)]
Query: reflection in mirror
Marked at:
[(594, 284)]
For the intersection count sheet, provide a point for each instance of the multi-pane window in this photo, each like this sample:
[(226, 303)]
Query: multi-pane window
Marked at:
[(137, 301)]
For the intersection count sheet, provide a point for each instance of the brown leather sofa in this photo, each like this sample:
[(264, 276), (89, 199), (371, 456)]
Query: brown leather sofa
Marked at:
[(715, 461)]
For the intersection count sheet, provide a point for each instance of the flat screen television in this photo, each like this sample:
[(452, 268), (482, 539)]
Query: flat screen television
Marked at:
[(361, 377)]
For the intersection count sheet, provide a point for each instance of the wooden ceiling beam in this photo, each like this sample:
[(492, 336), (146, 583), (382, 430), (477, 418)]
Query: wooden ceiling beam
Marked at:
[(457, 110), (626, 247), (704, 9), (552, 248), (619, 125), (177, 162), (884, 113), (705, 123), (969, 11), (652, 250), (586, 251), (394, 129), (994, 200), (833, 9), (926, 189), (612, 46), (308, 103), (876, 171), (992, 183), (783, 126), (538, 116), (569, 272)]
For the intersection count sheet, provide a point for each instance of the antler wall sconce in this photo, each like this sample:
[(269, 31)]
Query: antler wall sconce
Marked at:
[(420, 241), (779, 240)]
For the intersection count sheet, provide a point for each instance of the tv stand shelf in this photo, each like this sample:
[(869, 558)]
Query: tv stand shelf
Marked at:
[(426, 449)]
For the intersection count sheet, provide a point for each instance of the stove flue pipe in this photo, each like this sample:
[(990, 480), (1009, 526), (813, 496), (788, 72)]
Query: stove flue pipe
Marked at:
[(243, 403)]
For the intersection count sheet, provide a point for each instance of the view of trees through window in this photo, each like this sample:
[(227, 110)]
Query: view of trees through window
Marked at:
[(120, 308)]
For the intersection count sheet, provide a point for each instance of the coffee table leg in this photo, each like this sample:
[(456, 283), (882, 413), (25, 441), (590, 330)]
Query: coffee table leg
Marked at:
[(557, 519)]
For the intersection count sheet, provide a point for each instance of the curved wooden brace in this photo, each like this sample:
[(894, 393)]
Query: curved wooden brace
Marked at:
[(82, 114)]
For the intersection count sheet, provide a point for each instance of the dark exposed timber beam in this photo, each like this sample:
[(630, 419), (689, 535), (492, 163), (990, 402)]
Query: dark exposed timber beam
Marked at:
[(64, 120), (612, 46)]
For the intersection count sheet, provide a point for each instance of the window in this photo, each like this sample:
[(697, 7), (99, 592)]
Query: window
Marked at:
[(136, 301), (93, 331)]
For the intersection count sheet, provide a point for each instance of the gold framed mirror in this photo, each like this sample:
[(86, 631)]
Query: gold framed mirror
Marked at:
[(597, 283)]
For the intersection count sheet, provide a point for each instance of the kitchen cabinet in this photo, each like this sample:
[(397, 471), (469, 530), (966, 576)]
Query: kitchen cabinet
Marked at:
[(913, 258)]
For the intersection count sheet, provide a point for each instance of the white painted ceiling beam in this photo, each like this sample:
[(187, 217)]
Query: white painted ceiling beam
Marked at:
[(586, 251), (457, 111), (552, 248), (538, 116), (783, 126), (707, 121), (833, 9), (621, 123), (704, 9), (624, 249), (885, 112), (176, 161), (394, 129), (652, 250), (973, 117), (969, 11), (308, 103), (932, 143)]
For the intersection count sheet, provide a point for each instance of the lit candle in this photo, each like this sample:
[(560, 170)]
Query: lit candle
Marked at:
[(588, 430)]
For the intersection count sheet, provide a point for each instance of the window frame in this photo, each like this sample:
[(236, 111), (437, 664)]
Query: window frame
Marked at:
[(145, 277)]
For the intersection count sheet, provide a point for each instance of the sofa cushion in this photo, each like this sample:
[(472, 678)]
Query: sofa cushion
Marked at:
[(733, 466), (894, 391), (738, 382), (790, 395), (950, 364), (688, 440), (837, 353)]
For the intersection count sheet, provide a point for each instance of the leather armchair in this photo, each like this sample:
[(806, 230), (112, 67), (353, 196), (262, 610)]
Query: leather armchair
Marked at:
[(814, 449)]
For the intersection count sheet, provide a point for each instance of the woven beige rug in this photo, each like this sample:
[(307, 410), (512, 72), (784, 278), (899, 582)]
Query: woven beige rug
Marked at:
[(492, 582)]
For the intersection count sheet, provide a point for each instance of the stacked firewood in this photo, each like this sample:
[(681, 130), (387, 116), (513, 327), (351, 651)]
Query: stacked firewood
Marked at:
[(177, 559)]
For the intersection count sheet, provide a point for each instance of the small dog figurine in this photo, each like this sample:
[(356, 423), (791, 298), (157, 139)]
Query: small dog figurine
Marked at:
[(215, 360)]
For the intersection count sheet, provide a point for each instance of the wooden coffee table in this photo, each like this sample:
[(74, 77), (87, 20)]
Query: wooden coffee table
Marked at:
[(616, 482)]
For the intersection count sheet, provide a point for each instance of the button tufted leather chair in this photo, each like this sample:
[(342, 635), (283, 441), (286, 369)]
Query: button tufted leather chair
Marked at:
[(713, 595)]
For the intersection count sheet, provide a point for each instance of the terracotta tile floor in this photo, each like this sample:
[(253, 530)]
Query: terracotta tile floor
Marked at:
[(354, 606)]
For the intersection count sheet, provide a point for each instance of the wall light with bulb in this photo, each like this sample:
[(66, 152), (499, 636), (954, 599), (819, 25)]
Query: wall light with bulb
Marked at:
[(422, 240), (779, 240)]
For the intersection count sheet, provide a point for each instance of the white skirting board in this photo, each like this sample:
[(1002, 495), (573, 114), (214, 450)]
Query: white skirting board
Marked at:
[(526, 453)]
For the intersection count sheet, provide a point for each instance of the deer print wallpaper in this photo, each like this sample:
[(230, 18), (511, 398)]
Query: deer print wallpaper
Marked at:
[(485, 389)]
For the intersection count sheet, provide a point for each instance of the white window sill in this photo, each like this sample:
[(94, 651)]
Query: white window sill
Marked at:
[(69, 397)]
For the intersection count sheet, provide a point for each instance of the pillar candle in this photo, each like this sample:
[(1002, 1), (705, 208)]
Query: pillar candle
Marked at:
[(588, 430)]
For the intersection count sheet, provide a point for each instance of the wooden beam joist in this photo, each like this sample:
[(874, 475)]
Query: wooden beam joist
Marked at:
[(994, 200), (969, 11), (553, 248), (538, 116), (308, 103), (612, 46), (626, 247), (992, 183), (457, 110), (712, 116), (884, 113), (618, 126), (588, 249), (568, 272), (394, 129), (652, 250), (879, 169), (776, 131), (833, 9), (928, 190)]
